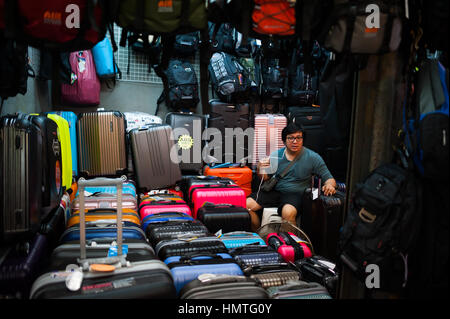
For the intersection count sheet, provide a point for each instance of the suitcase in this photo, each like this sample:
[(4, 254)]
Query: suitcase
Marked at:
[(230, 119), (101, 144), (157, 232), (224, 217), (188, 267), (71, 119), (215, 194), (103, 230), (272, 275), (239, 238), (254, 255), (179, 247), (311, 120), (188, 181), (267, 137), (153, 163), (106, 278), (209, 286), (188, 129), (30, 174), (242, 176), (106, 200), (20, 267), (289, 246), (128, 188), (164, 217), (154, 204), (322, 220), (299, 290), (320, 270), (100, 215)]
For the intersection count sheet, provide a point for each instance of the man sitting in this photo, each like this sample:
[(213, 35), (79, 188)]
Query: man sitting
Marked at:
[(288, 192)]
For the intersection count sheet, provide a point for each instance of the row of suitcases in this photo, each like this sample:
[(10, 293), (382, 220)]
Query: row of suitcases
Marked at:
[(180, 258)]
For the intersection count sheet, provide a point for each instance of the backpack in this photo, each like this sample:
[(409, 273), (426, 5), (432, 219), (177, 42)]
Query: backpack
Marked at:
[(271, 17), (274, 79), (105, 63), (181, 87), (186, 44), (427, 129), (382, 225), (229, 78), (221, 37)]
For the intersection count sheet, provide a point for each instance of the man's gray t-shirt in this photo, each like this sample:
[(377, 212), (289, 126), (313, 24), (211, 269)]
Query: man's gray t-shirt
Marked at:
[(298, 178)]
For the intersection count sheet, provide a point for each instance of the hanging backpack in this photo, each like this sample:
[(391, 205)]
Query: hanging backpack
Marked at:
[(84, 89), (274, 79), (228, 77), (186, 44), (180, 87), (221, 37), (383, 225), (426, 130)]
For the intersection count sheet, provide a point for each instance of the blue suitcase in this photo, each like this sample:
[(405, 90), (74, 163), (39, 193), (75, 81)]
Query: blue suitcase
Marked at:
[(165, 218), (128, 232), (186, 268), (71, 118), (239, 239)]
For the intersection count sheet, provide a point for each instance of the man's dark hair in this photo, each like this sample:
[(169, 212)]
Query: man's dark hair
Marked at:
[(292, 128)]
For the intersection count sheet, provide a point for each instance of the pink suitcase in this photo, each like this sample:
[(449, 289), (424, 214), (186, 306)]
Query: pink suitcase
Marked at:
[(267, 136), (162, 203), (216, 194)]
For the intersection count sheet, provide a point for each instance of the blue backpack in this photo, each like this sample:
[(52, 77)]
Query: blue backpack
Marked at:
[(105, 63), (427, 128)]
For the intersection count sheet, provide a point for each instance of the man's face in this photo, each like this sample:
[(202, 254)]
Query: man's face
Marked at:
[(294, 141)]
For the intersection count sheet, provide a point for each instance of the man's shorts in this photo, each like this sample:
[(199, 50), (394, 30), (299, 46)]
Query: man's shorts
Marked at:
[(276, 199)]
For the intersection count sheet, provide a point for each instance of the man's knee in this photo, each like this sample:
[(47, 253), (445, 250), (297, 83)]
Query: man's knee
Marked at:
[(289, 212), (252, 205)]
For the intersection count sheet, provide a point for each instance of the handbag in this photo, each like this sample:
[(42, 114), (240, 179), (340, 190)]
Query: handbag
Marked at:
[(268, 185)]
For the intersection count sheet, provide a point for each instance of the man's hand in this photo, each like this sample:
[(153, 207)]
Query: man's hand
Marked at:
[(329, 188)]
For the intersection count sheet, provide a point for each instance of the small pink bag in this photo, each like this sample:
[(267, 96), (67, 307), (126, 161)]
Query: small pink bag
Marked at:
[(85, 87)]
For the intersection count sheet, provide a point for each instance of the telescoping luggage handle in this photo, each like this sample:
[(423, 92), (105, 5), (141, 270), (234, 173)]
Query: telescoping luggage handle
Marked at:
[(82, 183)]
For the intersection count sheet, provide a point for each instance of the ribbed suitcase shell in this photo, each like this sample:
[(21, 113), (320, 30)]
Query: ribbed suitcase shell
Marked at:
[(185, 271), (227, 218), (157, 232), (188, 181), (101, 214), (299, 290), (267, 136), (179, 247), (199, 195), (154, 204), (188, 129), (275, 277), (253, 255), (101, 144), (242, 176), (129, 232), (232, 116), (164, 217), (105, 200), (210, 286), (239, 239), (151, 148)]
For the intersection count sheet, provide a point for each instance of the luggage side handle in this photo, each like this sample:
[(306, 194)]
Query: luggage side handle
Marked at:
[(82, 184)]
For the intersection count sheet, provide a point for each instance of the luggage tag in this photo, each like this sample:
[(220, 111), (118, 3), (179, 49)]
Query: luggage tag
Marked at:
[(75, 278), (112, 252)]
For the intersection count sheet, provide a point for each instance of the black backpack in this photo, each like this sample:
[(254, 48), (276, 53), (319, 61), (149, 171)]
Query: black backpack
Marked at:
[(180, 86), (274, 79), (221, 37), (186, 44), (382, 225)]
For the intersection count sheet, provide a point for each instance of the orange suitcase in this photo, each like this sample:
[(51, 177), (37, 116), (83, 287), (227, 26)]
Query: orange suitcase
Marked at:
[(242, 176), (100, 215)]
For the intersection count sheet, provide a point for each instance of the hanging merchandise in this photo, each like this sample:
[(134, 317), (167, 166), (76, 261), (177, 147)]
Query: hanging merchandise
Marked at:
[(105, 63)]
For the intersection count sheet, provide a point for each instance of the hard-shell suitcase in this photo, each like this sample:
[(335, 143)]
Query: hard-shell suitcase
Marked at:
[(267, 138), (157, 232), (106, 200), (128, 188), (101, 144), (232, 121), (320, 270), (215, 194), (71, 119), (19, 267), (187, 133), (209, 286), (103, 230), (110, 277), (154, 165), (159, 203), (242, 176), (225, 217), (297, 289), (179, 247), (30, 174), (164, 217), (271, 275), (253, 255), (189, 266), (100, 215), (311, 120), (321, 220), (188, 181), (289, 246), (240, 238)]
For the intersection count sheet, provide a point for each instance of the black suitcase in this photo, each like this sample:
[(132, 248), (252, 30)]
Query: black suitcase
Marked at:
[(230, 119), (180, 247), (187, 130), (271, 275), (311, 120), (109, 277), (322, 220), (254, 255), (157, 232), (298, 289), (210, 286), (225, 217), (30, 174)]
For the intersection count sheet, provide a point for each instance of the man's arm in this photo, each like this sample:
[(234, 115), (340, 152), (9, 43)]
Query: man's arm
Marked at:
[(329, 187)]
